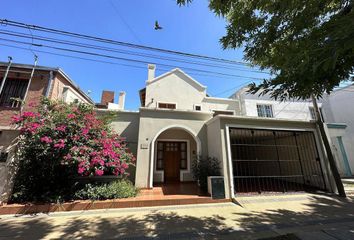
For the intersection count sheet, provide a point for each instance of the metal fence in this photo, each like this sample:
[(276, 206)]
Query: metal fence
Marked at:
[(275, 161)]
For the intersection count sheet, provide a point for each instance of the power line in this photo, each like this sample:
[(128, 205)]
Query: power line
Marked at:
[(90, 46), (230, 89), (125, 59), (105, 62), (6, 22), (125, 23)]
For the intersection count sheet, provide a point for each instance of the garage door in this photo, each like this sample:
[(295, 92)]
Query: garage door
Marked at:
[(275, 161)]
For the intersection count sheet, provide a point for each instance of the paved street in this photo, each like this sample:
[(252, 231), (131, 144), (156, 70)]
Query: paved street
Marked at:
[(309, 216)]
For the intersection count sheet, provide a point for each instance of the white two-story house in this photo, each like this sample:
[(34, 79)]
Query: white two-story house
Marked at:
[(333, 109), (178, 121)]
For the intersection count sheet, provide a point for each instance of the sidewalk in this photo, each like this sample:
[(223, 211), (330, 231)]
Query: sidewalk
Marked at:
[(308, 216)]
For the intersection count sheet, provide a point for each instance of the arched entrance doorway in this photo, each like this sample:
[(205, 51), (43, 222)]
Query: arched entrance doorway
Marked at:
[(173, 150)]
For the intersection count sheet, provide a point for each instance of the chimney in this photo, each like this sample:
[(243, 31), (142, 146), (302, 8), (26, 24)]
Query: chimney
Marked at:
[(151, 71), (121, 100), (107, 97)]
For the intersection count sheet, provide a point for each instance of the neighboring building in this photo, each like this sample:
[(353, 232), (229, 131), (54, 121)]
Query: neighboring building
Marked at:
[(336, 108), (178, 121), (255, 105), (107, 101), (49, 82), (333, 109)]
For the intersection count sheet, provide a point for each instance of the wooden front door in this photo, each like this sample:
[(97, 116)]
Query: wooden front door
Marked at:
[(172, 158)]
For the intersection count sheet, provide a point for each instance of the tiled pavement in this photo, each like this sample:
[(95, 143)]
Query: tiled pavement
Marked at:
[(309, 216), (160, 195)]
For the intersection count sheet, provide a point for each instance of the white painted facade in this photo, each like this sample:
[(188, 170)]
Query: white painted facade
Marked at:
[(176, 87), (293, 109), (337, 108), (194, 117), (334, 109)]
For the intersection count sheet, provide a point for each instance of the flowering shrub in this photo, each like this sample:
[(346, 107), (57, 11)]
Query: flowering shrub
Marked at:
[(62, 140)]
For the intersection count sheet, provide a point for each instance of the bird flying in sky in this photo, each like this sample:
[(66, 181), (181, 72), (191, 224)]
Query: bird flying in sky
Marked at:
[(157, 26)]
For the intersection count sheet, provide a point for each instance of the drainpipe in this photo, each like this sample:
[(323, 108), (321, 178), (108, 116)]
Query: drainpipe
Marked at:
[(50, 81), (29, 81), (5, 76)]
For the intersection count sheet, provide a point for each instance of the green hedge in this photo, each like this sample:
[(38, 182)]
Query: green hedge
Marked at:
[(116, 189)]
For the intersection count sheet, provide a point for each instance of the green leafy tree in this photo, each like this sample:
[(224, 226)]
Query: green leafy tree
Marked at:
[(307, 45)]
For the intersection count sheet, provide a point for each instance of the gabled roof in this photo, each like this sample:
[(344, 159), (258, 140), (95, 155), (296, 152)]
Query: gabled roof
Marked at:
[(54, 69), (174, 71)]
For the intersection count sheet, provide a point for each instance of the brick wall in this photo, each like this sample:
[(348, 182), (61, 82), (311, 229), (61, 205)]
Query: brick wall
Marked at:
[(36, 90), (107, 97), (58, 84)]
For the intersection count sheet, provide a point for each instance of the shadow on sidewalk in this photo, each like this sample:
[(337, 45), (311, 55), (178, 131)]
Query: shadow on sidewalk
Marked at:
[(170, 225), (318, 209)]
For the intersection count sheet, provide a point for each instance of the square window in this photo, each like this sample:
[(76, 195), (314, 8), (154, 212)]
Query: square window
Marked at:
[(197, 107), (264, 110)]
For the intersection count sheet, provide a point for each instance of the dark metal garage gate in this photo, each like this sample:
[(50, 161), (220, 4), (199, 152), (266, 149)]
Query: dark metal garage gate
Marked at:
[(275, 161)]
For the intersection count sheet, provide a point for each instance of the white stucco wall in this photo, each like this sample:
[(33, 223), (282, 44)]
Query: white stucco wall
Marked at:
[(337, 108), (126, 124), (174, 88), (178, 88), (221, 104), (295, 110), (153, 123)]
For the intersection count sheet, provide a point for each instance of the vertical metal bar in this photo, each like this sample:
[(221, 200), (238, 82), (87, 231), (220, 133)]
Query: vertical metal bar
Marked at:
[(29, 81), (300, 161), (312, 156), (276, 147), (258, 166), (5, 76), (313, 161), (308, 159)]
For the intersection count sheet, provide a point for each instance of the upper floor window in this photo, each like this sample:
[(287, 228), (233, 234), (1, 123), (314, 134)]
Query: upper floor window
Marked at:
[(197, 107), (313, 113), (13, 89), (167, 105), (264, 110)]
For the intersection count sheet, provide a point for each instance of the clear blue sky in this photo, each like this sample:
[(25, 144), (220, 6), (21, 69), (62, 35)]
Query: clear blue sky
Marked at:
[(191, 29)]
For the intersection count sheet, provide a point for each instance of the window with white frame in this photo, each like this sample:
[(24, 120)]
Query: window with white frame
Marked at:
[(313, 113), (264, 110)]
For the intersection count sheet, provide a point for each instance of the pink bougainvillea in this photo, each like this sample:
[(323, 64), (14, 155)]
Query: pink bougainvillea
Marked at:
[(46, 139), (76, 137), (61, 128)]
